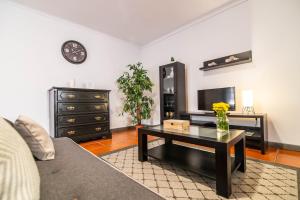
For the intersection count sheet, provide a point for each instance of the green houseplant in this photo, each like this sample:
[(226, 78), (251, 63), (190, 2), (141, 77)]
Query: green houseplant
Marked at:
[(134, 85)]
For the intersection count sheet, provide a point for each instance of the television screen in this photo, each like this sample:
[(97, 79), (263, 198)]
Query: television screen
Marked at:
[(207, 97)]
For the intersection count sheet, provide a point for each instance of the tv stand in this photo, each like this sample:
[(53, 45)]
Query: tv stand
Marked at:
[(256, 136), (208, 112)]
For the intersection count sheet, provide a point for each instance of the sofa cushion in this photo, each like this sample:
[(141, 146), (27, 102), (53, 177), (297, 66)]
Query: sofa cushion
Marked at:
[(19, 177), (77, 174), (36, 137)]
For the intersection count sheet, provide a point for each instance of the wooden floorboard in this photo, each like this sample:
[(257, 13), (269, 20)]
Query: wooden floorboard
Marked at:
[(123, 139)]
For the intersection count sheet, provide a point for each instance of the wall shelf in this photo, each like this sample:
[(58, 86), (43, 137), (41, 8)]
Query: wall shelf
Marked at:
[(227, 61)]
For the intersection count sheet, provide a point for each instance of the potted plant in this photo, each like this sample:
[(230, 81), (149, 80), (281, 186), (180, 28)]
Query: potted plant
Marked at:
[(134, 85)]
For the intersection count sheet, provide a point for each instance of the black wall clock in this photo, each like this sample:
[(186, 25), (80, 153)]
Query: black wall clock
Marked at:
[(74, 52)]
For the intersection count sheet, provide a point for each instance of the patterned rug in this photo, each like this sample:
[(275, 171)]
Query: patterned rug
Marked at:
[(262, 181)]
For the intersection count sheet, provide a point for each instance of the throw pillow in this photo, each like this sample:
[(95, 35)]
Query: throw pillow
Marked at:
[(36, 137), (18, 171)]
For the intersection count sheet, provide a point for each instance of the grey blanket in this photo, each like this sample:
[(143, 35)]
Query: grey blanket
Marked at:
[(76, 174)]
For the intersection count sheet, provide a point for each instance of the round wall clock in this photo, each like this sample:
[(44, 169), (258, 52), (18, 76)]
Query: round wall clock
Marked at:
[(74, 52)]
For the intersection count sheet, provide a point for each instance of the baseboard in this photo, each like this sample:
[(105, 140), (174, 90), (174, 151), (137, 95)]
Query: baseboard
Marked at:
[(290, 147), (115, 130)]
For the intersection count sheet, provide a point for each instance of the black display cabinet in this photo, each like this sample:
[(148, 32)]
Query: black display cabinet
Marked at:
[(172, 90)]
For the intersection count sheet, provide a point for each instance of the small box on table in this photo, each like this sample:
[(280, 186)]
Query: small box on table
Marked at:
[(176, 124)]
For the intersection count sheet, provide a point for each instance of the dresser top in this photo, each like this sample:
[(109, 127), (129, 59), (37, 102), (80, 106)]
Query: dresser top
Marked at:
[(77, 89)]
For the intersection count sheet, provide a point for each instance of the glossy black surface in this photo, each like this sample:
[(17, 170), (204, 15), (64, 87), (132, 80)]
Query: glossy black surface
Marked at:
[(201, 162), (259, 140), (227, 61), (73, 120), (198, 161), (206, 98), (79, 108), (172, 90), (83, 130), (80, 114), (198, 132)]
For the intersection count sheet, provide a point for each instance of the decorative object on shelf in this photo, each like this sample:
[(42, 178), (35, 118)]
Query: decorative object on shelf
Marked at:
[(133, 85), (74, 52), (172, 90), (89, 84), (248, 102), (231, 59), (172, 59), (212, 64), (170, 114), (171, 74), (221, 109), (227, 61), (72, 83), (176, 124)]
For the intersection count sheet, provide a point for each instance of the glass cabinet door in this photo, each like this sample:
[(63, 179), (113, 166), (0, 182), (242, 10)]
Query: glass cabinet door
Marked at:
[(168, 80), (169, 92)]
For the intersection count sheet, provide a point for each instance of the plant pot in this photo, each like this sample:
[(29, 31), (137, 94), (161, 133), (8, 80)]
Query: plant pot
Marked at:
[(137, 128)]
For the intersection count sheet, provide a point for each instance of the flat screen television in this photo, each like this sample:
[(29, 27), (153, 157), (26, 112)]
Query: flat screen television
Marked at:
[(207, 97)]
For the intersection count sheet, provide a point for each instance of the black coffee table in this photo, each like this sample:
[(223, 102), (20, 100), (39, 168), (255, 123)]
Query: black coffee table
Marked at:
[(219, 165)]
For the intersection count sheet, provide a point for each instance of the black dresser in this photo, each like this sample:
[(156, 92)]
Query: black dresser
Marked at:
[(80, 114)]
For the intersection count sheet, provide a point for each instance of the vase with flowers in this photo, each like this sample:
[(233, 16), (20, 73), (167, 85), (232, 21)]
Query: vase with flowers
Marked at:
[(221, 110)]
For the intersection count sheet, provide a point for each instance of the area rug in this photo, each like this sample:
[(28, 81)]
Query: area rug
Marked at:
[(262, 181)]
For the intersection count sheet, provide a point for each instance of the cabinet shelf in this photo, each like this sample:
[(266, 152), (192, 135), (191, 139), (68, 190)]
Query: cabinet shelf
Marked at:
[(165, 93)]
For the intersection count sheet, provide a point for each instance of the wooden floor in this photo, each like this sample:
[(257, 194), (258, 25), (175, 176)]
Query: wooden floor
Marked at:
[(128, 138)]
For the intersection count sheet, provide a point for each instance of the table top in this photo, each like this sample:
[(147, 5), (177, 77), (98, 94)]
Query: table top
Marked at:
[(198, 132), (231, 114)]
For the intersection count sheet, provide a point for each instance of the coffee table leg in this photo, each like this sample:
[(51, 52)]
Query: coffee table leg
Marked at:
[(168, 141), (240, 154), (142, 146), (223, 171)]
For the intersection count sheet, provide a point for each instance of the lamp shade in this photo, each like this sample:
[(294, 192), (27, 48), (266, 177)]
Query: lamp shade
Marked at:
[(247, 98)]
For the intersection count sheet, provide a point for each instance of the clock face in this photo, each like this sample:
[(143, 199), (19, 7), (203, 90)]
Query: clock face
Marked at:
[(74, 52)]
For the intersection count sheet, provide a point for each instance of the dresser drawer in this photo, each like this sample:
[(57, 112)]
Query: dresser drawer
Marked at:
[(78, 96), (83, 130), (71, 120), (77, 108)]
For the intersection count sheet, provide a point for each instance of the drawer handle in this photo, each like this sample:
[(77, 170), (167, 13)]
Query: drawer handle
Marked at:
[(97, 96), (97, 107), (98, 129), (98, 118), (71, 96), (71, 120), (70, 107), (71, 132)]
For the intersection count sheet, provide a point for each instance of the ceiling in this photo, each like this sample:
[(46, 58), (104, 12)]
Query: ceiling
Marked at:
[(137, 21)]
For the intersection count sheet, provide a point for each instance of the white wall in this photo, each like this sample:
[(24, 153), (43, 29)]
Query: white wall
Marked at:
[(31, 62), (276, 47), (271, 29), (228, 32)]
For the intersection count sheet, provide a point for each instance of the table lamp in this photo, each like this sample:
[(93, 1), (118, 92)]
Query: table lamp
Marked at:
[(248, 102)]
